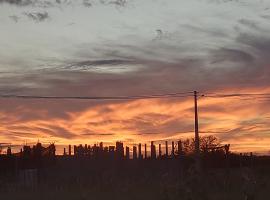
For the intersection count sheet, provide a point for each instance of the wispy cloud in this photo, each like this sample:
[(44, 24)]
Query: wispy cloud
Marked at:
[(139, 121), (37, 16)]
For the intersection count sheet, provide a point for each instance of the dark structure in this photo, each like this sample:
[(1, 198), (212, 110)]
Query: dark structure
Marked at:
[(153, 151), (39, 156), (166, 149), (145, 151), (127, 153), (9, 151), (159, 151), (172, 154), (119, 150), (140, 151), (111, 152), (180, 148), (69, 150), (135, 152)]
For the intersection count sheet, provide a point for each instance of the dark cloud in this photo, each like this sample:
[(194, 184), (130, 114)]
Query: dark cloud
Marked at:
[(249, 23), (37, 16), (85, 65), (114, 2), (155, 77), (44, 4), (35, 3), (17, 2), (86, 3), (119, 2), (259, 42), (234, 55), (266, 17), (48, 3)]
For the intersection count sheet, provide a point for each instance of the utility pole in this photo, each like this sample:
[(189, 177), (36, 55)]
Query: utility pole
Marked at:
[(197, 138)]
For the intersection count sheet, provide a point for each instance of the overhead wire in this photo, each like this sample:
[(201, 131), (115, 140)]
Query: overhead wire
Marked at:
[(242, 96), (152, 96)]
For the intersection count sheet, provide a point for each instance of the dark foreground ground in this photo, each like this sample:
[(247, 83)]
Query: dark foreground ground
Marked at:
[(136, 180)]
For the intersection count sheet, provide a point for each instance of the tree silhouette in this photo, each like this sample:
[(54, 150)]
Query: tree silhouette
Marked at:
[(206, 142)]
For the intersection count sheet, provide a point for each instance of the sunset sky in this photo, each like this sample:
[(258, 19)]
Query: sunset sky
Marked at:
[(135, 47)]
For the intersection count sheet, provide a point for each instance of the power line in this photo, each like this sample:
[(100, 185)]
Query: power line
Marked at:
[(242, 96), (152, 96), (239, 95)]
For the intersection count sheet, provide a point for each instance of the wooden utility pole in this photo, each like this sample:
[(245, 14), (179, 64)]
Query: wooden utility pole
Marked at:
[(197, 137)]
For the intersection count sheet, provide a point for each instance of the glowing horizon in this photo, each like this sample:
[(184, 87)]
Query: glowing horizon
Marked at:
[(238, 122)]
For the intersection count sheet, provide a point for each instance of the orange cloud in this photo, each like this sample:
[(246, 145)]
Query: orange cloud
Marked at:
[(242, 123)]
